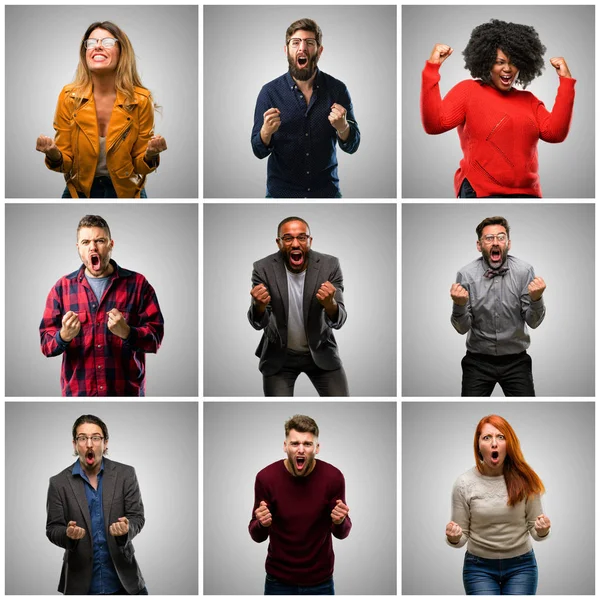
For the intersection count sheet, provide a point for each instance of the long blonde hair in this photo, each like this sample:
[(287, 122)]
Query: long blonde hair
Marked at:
[(126, 76)]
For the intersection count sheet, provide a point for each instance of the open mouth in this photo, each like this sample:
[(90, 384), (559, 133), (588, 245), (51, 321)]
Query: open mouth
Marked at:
[(496, 255), (302, 61), (95, 262), (296, 258), (495, 457), (506, 79), (89, 457), (300, 462)]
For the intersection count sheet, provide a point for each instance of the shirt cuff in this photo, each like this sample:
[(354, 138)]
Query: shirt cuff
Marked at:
[(459, 310), (61, 343)]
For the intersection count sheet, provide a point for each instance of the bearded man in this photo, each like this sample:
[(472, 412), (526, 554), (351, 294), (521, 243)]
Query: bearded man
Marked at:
[(494, 299), (299, 119)]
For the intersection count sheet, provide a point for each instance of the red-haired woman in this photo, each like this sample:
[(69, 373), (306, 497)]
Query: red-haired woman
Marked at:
[(496, 507)]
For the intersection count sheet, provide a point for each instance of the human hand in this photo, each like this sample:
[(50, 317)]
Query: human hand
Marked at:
[(339, 512), (337, 118), (542, 525), (459, 294), (560, 64), (326, 295), (440, 53), (119, 527), (74, 532), (453, 532), (156, 145), (271, 122), (71, 325), (536, 288), (260, 297), (48, 147), (263, 514), (117, 324)]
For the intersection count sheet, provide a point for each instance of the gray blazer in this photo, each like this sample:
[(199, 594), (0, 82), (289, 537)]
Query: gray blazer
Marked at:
[(272, 350), (67, 502)]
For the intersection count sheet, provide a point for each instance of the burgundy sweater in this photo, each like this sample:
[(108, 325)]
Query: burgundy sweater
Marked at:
[(300, 546), (498, 131)]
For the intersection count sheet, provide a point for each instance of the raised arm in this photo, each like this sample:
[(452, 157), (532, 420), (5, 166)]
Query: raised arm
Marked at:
[(457, 530), (462, 316), (533, 309)]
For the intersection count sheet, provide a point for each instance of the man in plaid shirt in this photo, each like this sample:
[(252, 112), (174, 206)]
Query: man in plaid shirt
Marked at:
[(102, 319)]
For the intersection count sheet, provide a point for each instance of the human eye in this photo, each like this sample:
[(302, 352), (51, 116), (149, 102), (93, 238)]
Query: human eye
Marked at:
[(486, 438)]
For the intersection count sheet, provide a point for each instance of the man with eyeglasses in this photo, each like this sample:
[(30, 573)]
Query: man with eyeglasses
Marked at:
[(103, 319), (94, 510), (297, 301), (299, 119), (494, 299)]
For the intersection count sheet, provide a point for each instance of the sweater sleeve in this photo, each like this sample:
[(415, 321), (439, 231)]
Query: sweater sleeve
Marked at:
[(554, 126), (440, 115), (461, 513), (533, 509), (342, 530), (257, 532)]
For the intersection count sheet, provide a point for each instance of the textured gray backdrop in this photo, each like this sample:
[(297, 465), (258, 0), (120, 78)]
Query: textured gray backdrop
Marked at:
[(556, 239), (362, 236), (241, 438), (430, 161), (157, 240), (244, 49), (557, 439), (42, 52), (159, 439)]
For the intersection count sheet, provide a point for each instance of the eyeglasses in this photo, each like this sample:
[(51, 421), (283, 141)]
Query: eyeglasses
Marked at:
[(82, 439), (296, 42), (104, 42), (288, 239), (489, 239)]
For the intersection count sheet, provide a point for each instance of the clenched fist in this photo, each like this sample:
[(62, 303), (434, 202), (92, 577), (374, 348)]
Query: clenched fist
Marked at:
[(337, 118), (71, 325), (74, 532), (338, 514), (156, 145), (459, 295), (117, 324), (271, 123), (453, 532), (560, 64), (263, 514), (536, 288), (120, 527), (440, 53), (326, 295), (48, 147), (542, 525), (260, 297)]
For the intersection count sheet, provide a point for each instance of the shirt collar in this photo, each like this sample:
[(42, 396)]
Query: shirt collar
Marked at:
[(77, 470), (118, 272), (291, 84), (88, 93)]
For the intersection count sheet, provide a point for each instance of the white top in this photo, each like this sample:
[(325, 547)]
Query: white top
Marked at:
[(101, 168), (491, 527), (296, 333)]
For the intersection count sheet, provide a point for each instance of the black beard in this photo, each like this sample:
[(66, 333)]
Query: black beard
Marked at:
[(307, 72), (488, 259)]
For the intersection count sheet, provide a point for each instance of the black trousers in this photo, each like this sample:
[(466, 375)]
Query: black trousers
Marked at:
[(466, 191), (327, 383), (481, 373)]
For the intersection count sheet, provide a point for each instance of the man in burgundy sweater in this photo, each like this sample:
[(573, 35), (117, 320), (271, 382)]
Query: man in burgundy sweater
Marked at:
[(298, 504)]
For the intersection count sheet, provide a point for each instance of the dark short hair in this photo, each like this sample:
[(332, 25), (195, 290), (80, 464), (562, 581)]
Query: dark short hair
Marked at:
[(303, 424), (306, 25), (90, 419), (93, 221), (492, 221), (288, 219)]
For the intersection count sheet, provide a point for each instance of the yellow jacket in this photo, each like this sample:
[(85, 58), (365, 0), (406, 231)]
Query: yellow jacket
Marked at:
[(130, 128)]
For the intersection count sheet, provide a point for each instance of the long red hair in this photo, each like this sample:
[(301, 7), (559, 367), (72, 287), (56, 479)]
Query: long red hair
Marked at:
[(521, 480)]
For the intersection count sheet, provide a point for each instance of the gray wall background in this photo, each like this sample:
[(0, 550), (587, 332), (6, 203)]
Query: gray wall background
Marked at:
[(557, 239), (157, 240), (244, 49), (359, 438), (39, 445), (362, 236), (557, 440), (430, 161), (42, 52)]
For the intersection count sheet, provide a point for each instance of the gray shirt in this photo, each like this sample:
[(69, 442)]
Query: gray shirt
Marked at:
[(296, 333), (499, 309)]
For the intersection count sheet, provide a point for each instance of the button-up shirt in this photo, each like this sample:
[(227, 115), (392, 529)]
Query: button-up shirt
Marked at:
[(498, 309), (96, 362), (302, 152), (104, 576)]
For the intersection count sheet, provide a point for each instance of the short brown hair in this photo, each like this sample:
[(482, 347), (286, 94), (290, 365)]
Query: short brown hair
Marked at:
[(94, 221), (492, 221), (307, 25), (303, 424)]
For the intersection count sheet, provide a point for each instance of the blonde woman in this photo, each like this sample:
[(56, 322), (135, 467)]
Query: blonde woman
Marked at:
[(104, 144)]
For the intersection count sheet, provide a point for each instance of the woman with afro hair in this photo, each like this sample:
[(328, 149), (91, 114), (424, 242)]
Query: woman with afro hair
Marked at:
[(498, 125), (496, 510)]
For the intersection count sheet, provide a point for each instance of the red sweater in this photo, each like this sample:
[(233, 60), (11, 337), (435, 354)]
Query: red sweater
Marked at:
[(300, 546), (498, 131)]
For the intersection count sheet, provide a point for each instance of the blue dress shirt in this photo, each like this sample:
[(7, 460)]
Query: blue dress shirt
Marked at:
[(104, 577), (302, 155)]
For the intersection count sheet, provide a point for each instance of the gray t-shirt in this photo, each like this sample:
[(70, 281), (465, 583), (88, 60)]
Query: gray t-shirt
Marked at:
[(98, 284), (296, 333)]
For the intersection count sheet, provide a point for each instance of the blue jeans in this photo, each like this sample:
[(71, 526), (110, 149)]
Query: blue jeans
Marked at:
[(101, 188), (274, 587), (495, 576)]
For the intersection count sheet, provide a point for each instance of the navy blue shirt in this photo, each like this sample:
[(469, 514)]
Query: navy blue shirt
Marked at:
[(302, 155), (104, 576)]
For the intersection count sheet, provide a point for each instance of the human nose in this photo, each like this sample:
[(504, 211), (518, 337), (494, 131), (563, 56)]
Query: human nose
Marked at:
[(88, 442), (494, 442)]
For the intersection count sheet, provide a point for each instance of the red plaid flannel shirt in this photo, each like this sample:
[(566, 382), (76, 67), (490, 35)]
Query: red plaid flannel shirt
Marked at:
[(96, 362)]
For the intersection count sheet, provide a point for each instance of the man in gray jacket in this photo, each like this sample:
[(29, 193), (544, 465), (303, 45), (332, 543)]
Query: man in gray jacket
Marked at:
[(297, 300)]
